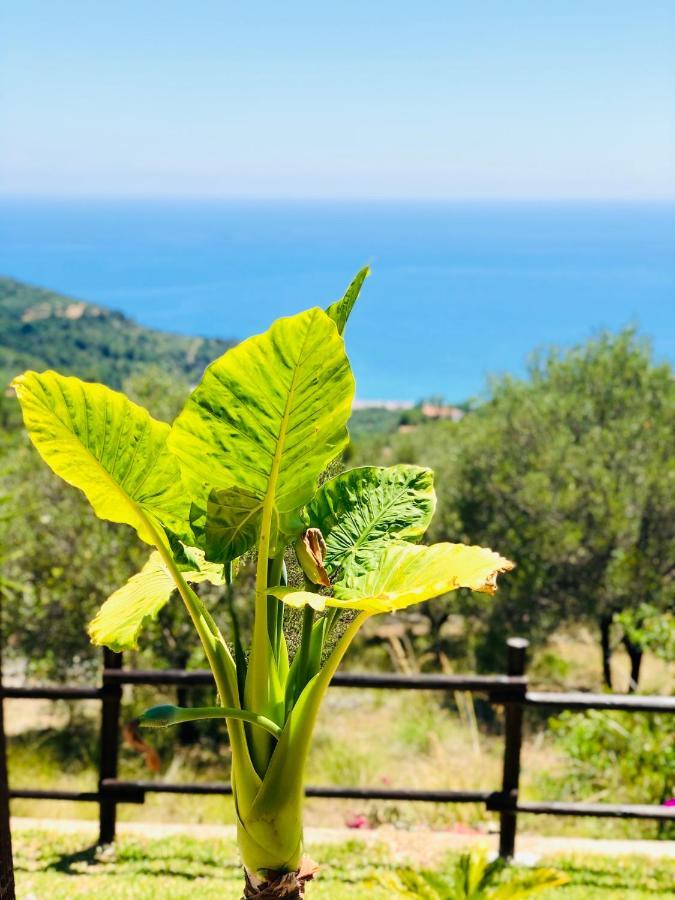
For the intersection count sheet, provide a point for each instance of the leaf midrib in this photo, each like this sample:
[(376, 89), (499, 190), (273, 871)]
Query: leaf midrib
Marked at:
[(352, 551), (269, 504)]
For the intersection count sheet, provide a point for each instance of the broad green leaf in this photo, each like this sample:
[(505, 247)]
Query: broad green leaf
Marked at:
[(111, 449), (123, 615), (408, 574), (266, 419), (340, 311), (186, 557), (232, 523), (363, 510)]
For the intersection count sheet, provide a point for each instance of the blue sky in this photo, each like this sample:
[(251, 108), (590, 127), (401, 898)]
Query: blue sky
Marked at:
[(477, 99)]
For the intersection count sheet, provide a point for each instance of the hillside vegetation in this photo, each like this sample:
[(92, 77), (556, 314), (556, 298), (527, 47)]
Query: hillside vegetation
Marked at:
[(40, 329)]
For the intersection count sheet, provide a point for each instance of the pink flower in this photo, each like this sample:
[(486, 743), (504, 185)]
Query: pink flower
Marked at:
[(670, 802), (357, 822)]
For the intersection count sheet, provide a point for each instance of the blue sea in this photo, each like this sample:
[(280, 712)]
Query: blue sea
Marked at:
[(458, 291)]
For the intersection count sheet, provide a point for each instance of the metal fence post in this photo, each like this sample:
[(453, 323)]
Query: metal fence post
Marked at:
[(110, 724), (516, 649), (6, 866)]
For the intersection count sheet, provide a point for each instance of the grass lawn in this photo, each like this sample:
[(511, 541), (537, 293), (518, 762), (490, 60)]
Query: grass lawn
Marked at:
[(61, 867)]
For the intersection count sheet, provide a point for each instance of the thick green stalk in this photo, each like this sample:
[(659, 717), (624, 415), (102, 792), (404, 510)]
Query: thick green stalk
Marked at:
[(239, 655), (270, 835), (222, 665), (263, 691), (256, 684), (275, 606), (333, 615), (281, 609), (305, 644), (257, 688)]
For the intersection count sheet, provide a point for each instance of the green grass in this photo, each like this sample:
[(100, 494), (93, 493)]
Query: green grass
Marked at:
[(65, 866)]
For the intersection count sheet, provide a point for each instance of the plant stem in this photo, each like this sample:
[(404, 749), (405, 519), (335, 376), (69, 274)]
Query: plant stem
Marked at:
[(239, 655), (221, 663), (305, 644), (165, 716), (207, 629), (259, 691), (274, 571), (283, 580), (333, 615)]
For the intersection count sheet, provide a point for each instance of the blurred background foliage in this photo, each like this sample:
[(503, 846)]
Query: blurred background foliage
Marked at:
[(570, 472)]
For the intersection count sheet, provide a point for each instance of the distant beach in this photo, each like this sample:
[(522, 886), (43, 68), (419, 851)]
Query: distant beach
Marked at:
[(458, 291)]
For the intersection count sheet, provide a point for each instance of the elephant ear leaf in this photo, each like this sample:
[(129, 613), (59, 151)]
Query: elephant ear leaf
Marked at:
[(123, 615), (232, 523), (408, 574), (340, 311), (261, 426), (111, 449), (361, 511)]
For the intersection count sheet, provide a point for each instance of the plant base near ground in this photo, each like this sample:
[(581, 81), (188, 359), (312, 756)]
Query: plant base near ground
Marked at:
[(280, 885)]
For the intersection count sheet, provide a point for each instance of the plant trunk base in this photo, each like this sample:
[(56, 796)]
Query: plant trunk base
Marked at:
[(280, 885)]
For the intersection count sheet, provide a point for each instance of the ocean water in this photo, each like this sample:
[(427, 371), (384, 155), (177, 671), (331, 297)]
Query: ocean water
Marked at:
[(458, 291)]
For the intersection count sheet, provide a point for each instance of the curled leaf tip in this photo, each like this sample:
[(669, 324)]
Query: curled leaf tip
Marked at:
[(489, 584), (160, 716)]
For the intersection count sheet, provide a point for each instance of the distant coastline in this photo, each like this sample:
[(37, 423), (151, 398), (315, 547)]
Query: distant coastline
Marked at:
[(459, 290)]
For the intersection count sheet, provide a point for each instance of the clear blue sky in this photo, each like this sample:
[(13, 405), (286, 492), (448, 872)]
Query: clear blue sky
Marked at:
[(472, 98)]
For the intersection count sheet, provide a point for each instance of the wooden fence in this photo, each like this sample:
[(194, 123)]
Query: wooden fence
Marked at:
[(509, 690)]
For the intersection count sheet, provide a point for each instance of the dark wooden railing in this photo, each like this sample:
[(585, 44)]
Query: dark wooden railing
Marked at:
[(509, 690)]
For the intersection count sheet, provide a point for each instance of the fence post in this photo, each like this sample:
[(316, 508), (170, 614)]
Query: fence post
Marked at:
[(110, 724), (6, 867), (516, 649)]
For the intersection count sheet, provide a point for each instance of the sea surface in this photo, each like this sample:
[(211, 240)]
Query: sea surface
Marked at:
[(458, 291)]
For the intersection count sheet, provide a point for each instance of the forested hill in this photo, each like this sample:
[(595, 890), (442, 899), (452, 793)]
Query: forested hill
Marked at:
[(40, 329)]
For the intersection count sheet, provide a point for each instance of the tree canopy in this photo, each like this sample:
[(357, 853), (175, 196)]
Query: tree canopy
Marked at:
[(571, 472)]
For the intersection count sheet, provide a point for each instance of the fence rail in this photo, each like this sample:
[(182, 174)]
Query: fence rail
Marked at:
[(509, 690)]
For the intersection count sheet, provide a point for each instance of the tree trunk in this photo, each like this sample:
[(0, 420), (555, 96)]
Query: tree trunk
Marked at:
[(635, 655), (605, 626)]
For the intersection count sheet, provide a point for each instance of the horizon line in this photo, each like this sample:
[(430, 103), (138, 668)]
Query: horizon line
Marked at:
[(328, 198)]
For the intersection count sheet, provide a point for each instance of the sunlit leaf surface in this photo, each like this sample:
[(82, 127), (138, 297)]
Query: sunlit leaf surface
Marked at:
[(111, 449)]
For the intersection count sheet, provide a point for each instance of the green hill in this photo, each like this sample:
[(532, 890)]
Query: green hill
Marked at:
[(40, 329)]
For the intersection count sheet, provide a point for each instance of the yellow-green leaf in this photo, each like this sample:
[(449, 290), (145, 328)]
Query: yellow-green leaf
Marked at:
[(232, 523), (111, 449), (340, 311), (361, 511), (408, 574), (266, 419), (123, 615)]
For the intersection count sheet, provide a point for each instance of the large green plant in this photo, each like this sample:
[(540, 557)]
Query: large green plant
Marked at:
[(238, 471)]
